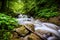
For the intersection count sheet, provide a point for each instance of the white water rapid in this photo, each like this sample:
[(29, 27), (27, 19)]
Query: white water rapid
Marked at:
[(24, 19)]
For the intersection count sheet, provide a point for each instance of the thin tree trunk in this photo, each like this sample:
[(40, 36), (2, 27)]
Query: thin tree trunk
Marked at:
[(3, 6)]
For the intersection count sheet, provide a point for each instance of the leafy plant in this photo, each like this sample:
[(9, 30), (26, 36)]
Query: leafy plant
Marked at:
[(46, 13), (7, 23)]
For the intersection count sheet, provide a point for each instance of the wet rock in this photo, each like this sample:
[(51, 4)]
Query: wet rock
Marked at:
[(15, 36), (33, 37), (26, 37), (31, 26), (22, 30), (55, 20)]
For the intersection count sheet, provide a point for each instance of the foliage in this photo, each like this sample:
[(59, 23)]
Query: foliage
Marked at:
[(44, 9), (35, 8), (4, 35), (47, 13), (16, 6), (32, 7), (7, 23), (21, 6)]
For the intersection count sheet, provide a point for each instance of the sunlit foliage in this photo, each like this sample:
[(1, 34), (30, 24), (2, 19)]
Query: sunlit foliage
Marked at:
[(16, 6)]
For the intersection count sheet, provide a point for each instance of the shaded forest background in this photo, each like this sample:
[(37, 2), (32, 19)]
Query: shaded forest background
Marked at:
[(35, 8), (10, 9)]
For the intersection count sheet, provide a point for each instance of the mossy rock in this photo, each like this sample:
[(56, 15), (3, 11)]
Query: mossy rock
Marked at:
[(15, 36), (31, 26), (33, 37), (55, 20), (22, 30)]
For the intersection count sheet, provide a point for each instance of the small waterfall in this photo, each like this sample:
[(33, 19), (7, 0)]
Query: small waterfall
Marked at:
[(49, 27)]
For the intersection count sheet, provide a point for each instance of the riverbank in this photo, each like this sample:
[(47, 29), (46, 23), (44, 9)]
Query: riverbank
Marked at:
[(55, 20)]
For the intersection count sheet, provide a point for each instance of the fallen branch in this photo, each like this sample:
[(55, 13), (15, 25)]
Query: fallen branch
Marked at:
[(39, 35)]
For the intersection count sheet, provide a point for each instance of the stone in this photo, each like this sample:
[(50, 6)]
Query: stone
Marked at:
[(22, 30), (31, 26), (55, 20), (33, 37)]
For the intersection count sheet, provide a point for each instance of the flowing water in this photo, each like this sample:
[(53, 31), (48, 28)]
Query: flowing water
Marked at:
[(24, 19)]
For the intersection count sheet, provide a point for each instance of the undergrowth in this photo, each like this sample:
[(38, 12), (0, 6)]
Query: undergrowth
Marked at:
[(7, 24)]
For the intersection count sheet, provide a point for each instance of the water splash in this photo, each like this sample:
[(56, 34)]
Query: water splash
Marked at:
[(24, 19)]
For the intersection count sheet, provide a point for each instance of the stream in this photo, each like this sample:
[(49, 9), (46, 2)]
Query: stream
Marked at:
[(43, 26)]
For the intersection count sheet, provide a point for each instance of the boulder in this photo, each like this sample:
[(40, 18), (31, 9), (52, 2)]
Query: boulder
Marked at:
[(32, 37), (21, 30), (31, 26)]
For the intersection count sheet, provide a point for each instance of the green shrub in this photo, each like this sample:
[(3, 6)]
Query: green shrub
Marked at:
[(46, 9), (7, 24), (46, 13)]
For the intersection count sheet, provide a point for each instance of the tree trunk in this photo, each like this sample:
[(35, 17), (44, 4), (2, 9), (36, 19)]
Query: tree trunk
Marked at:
[(4, 5)]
